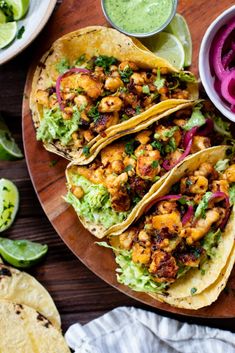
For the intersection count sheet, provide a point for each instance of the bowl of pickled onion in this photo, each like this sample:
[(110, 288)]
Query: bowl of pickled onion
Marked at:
[(217, 62)]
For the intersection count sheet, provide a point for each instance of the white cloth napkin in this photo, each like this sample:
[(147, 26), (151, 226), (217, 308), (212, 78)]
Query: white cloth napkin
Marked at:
[(131, 330)]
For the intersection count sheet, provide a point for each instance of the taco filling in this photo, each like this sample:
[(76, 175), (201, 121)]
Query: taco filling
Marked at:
[(181, 231), (91, 95), (109, 188)]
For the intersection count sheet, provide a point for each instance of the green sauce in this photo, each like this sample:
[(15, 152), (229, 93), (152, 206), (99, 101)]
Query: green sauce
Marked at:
[(139, 16)]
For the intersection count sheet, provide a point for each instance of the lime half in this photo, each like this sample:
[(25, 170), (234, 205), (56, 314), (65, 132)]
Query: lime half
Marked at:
[(19, 7), (179, 28), (167, 46), (2, 17), (21, 253), (8, 147), (9, 203), (7, 33)]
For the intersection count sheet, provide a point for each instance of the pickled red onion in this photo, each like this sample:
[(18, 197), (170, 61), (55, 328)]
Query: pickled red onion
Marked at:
[(188, 215), (58, 81)]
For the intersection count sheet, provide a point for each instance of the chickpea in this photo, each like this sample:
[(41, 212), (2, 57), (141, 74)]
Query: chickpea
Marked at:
[(110, 104), (78, 191), (123, 65), (113, 83), (230, 173), (138, 78)]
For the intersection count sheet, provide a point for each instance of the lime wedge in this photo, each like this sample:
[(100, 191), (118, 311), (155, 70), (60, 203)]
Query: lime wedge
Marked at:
[(167, 46), (7, 33), (19, 7), (9, 203), (2, 17), (179, 28), (8, 147), (21, 253)]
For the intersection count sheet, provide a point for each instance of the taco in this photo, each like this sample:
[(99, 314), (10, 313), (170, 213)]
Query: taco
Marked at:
[(184, 242), (110, 192), (96, 82)]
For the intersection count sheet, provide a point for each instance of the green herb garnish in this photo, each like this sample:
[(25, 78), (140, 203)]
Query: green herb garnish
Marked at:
[(126, 74), (105, 62), (159, 82), (86, 151), (62, 66)]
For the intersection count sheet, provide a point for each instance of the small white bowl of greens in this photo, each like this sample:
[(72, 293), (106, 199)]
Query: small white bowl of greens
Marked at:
[(20, 22)]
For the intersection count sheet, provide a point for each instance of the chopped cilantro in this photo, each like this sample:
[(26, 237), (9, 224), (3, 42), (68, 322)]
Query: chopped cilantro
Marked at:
[(129, 147), (138, 110), (62, 66), (126, 74), (105, 62), (203, 271), (171, 146), (20, 32), (136, 199), (193, 290), (80, 60), (86, 151), (183, 200), (94, 113), (171, 132), (211, 241), (145, 89), (189, 182), (159, 82), (185, 76), (154, 164), (124, 117), (128, 168), (156, 178), (158, 146)]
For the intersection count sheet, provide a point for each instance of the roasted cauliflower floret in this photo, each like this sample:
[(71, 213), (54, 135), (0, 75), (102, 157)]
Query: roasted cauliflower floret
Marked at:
[(201, 227), (220, 185), (126, 239), (91, 86), (110, 104), (200, 143), (141, 254), (82, 101), (147, 163), (163, 266), (171, 221), (194, 184), (128, 64), (205, 169), (113, 152), (143, 137), (230, 173), (166, 207), (139, 78), (105, 121)]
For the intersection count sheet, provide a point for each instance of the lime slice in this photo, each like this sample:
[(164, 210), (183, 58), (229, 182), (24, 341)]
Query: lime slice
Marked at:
[(19, 7), (7, 33), (9, 203), (179, 28), (167, 46), (21, 253), (2, 17), (8, 147)]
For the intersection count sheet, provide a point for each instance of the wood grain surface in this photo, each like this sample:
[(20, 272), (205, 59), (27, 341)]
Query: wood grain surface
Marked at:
[(79, 294)]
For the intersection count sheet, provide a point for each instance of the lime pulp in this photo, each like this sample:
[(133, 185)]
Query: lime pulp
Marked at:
[(9, 203), (21, 253), (7, 33), (179, 28), (167, 46), (19, 7)]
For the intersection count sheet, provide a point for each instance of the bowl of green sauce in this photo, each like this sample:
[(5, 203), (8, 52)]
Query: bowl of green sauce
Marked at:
[(139, 18)]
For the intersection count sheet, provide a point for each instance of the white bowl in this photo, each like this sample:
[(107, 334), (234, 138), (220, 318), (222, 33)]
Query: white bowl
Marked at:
[(204, 65), (34, 21)]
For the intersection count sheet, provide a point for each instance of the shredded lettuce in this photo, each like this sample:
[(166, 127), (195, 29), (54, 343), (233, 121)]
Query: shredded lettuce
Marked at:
[(132, 274), (159, 82), (203, 204), (232, 194), (196, 119), (222, 165), (95, 205), (54, 127), (211, 242), (221, 126)]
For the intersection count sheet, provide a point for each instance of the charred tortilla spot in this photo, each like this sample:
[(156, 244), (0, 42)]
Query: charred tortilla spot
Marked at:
[(45, 321)]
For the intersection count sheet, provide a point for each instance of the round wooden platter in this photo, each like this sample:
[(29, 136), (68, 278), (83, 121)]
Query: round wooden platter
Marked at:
[(47, 170)]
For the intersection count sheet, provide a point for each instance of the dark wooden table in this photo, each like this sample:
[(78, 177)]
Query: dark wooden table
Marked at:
[(78, 293)]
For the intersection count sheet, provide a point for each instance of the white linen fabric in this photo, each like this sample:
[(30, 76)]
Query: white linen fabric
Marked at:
[(131, 330)]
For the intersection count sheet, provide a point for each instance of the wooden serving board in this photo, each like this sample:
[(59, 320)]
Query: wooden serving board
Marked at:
[(48, 178)]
